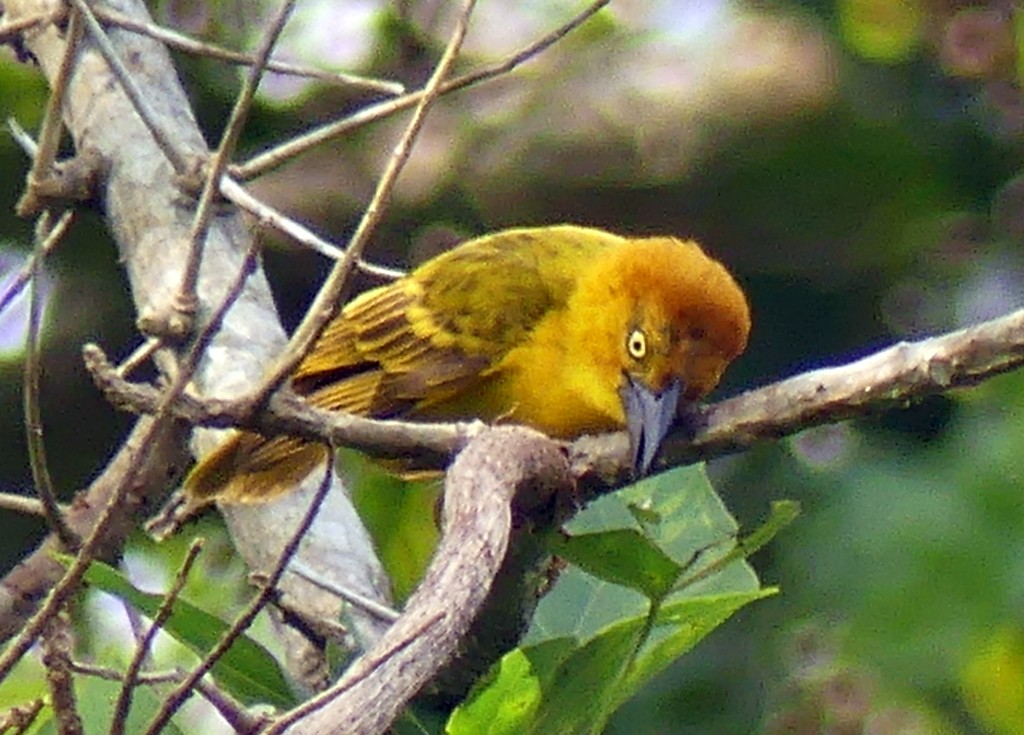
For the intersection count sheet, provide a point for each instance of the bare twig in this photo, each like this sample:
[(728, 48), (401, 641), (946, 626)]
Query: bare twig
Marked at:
[(21, 504), (149, 678), (236, 193), (22, 138), (328, 299), (352, 597), (204, 338), (124, 698), (18, 283), (142, 106), (57, 645), (20, 718), (432, 444), (268, 160), (15, 28), (188, 301), (234, 713), (139, 355), (53, 125), (244, 620), (45, 241), (180, 41)]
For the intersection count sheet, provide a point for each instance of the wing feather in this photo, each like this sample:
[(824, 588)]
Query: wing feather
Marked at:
[(414, 345)]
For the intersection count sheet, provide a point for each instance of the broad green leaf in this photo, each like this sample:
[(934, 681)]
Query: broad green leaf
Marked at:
[(505, 706), (506, 701), (623, 556), (588, 685), (96, 698), (679, 627), (578, 696), (682, 515), (783, 513), (651, 537), (401, 517), (248, 671)]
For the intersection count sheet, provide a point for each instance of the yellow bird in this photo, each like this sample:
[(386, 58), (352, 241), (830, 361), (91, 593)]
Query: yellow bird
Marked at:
[(567, 329)]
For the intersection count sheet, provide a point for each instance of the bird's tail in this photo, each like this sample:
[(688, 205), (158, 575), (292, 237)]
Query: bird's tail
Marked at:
[(250, 468)]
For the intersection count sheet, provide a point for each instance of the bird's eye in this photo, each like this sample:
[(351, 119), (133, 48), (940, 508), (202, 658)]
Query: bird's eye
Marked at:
[(697, 333), (637, 344)]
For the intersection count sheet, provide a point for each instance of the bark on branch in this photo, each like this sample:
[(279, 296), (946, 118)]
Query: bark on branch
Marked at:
[(499, 469)]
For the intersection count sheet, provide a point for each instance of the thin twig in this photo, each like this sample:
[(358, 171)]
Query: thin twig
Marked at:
[(33, 369), (278, 155), (328, 300), (352, 597), (203, 339), (22, 138), (9, 31), (22, 504), (124, 698), (149, 118), (18, 283), (20, 717), (177, 697), (53, 123), (139, 355), (180, 41), (236, 193), (431, 443), (241, 720), (146, 677), (56, 644), (219, 159)]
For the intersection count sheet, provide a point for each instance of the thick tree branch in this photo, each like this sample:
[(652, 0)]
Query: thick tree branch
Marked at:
[(499, 469)]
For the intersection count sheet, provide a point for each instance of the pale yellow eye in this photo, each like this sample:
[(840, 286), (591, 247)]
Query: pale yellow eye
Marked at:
[(637, 344)]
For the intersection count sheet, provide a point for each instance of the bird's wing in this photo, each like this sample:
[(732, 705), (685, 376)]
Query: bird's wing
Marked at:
[(492, 293), (437, 332)]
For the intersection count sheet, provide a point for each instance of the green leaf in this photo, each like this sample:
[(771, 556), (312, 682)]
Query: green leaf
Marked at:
[(559, 687), (678, 628), (504, 707), (96, 698), (782, 513), (591, 684), (641, 539), (248, 671), (682, 515), (506, 701), (624, 556)]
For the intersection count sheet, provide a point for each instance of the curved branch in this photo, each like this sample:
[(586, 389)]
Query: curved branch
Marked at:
[(498, 467)]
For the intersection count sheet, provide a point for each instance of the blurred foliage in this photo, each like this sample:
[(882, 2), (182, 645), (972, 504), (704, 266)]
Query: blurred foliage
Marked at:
[(856, 162)]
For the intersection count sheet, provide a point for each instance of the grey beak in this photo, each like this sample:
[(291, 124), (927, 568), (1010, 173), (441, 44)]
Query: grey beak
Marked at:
[(649, 416)]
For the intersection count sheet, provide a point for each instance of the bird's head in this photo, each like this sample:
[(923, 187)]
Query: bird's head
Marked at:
[(666, 321)]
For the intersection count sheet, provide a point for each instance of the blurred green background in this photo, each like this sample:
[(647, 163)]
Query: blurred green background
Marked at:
[(855, 162)]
